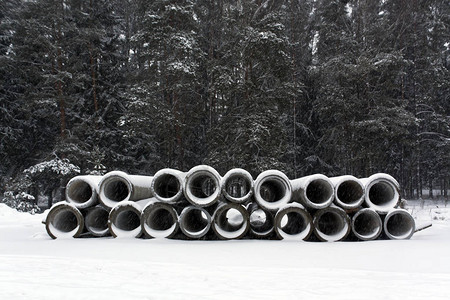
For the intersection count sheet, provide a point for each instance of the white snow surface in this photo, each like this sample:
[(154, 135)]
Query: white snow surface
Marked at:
[(33, 266)]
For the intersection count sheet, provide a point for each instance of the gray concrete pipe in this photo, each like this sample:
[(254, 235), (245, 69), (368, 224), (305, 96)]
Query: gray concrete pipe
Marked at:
[(399, 224), (348, 192), (313, 191), (367, 224), (261, 221), (195, 222), (273, 190), (230, 221), (117, 186), (202, 186), (237, 185), (167, 185), (331, 224), (96, 221), (82, 190), (293, 222), (64, 220), (124, 220), (382, 192), (159, 220)]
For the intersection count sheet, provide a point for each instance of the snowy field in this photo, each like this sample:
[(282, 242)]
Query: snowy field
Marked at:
[(33, 266)]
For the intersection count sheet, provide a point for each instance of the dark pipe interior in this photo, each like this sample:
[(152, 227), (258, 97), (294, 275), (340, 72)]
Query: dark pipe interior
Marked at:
[(203, 186), (127, 220), (260, 221), (97, 219), (293, 223), (237, 186), (116, 190), (349, 192), (230, 220), (160, 218), (319, 191), (381, 193), (399, 224), (330, 223), (194, 220), (79, 191), (166, 186), (366, 224), (65, 221), (272, 190)]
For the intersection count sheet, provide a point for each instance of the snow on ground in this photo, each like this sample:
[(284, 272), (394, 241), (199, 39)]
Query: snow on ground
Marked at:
[(33, 266)]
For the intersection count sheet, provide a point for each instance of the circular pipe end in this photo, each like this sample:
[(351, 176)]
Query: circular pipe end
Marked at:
[(195, 222), (293, 222), (399, 225), (80, 192), (367, 224), (230, 221), (237, 185), (125, 220), (96, 221), (261, 221), (331, 224), (349, 192), (115, 187), (167, 185), (382, 193), (159, 220), (318, 192), (64, 220), (202, 186), (273, 190)]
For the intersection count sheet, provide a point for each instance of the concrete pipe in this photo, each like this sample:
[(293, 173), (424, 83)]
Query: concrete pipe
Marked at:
[(159, 220), (167, 185), (367, 224), (331, 224), (64, 220), (124, 220), (82, 190), (230, 221), (348, 192), (381, 192), (96, 221), (399, 225), (314, 191), (118, 186), (293, 222), (195, 222), (261, 220), (272, 190), (202, 186), (237, 185)]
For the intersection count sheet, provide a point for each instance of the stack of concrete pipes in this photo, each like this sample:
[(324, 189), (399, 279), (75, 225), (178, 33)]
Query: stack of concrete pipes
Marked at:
[(201, 204)]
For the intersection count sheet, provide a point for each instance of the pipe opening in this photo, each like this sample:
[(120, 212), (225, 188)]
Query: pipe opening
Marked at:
[(272, 190), (167, 186), (237, 186), (195, 221), (79, 191), (97, 220), (367, 225), (64, 221), (400, 226), (203, 186), (349, 192), (293, 223), (231, 221), (330, 223), (381, 193), (127, 220), (319, 191), (260, 221), (160, 219), (116, 190)]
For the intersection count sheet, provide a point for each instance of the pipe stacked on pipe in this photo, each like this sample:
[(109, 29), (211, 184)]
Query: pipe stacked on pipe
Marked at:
[(201, 204)]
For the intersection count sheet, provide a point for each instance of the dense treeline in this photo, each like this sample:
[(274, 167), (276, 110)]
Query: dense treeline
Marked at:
[(307, 86)]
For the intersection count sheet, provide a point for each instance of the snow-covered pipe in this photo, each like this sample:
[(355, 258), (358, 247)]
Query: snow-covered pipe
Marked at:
[(82, 190), (399, 224), (96, 221), (367, 224), (202, 186), (382, 192), (331, 224), (348, 192), (159, 220), (293, 222), (261, 220), (230, 221), (64, 220), (167, 185), (117, 186), (314, 191), (195, 222), (273, 190), (237, 185), (125, 220)]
